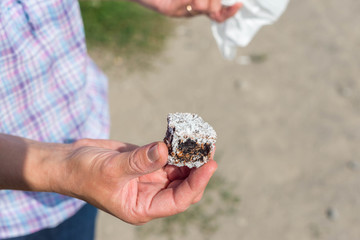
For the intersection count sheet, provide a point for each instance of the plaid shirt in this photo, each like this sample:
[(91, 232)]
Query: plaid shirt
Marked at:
[(50, 91)]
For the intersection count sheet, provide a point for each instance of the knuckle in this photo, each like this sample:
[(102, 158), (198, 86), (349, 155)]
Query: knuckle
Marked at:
[(201, 6), (138, 217), (136, 162), (84, 142), (182, 208), (196, 200)]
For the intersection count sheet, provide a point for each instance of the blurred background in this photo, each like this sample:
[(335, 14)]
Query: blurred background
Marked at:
[(286, 111)]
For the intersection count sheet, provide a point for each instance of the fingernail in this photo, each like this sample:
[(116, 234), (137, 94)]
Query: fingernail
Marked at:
[(153, 153)]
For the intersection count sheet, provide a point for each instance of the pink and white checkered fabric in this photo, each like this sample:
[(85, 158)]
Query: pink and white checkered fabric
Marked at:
[(50, 91)]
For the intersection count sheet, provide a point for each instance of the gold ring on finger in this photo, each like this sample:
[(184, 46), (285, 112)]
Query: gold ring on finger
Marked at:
[(189, 9)]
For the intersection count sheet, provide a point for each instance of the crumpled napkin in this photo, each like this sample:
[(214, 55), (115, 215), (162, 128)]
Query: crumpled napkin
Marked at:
[(240, 29)]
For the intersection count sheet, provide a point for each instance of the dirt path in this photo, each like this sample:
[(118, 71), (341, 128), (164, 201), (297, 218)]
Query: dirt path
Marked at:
[(288, 123)]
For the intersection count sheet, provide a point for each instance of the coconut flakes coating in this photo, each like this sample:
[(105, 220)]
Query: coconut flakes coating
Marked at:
[(190, 140)]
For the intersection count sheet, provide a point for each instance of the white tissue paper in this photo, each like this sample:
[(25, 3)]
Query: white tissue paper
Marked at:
[(242, 27)]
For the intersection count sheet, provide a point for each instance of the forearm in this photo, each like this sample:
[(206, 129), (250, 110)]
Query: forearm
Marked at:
[(29, 165)]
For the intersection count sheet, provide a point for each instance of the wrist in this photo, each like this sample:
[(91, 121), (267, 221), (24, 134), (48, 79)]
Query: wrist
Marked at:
[(30, 165), (46, 166)]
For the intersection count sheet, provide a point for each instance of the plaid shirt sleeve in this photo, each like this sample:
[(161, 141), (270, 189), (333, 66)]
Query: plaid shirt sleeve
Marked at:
[(50, 91)]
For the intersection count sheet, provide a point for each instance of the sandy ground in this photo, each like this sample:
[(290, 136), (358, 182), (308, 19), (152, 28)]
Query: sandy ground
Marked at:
[(288, 126)]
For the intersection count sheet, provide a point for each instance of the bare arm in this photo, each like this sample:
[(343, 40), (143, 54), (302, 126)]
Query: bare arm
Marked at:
[(25, 164), (132, 183)]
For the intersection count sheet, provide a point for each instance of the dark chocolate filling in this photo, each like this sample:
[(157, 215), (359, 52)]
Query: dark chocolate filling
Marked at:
[(190, 150), (168, 140), (187, 151)]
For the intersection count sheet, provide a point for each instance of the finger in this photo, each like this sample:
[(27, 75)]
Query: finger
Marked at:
[(192, 186), (213, 152), (176, 173), (107, 144), (176, 8), (198, 197), (214, 6), (226, 12), (143, 160), (176, 183), (230, 11), (175, 200), (201, 6), (125, 147), (190, 11)]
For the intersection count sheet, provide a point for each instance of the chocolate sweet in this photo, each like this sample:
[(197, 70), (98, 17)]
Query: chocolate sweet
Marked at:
[(189, 139)]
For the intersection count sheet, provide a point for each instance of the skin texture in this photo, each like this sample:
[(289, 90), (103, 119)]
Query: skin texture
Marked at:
[(212, 8), (130, 182)]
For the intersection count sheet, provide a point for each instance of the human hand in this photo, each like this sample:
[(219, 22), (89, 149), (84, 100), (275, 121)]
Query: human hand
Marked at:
[(187, 8), (130, 182)]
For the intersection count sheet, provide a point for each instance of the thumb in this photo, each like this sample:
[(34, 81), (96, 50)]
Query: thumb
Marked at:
[(145, 159), (226, 12)]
